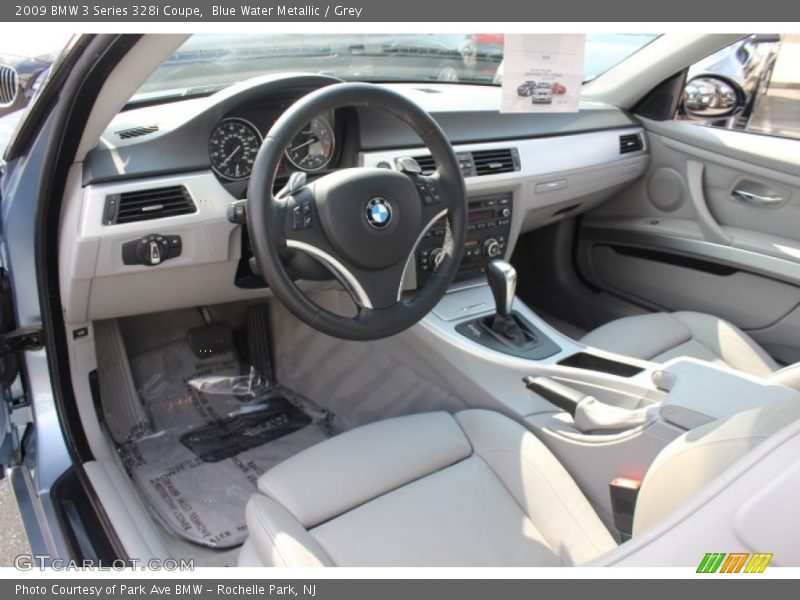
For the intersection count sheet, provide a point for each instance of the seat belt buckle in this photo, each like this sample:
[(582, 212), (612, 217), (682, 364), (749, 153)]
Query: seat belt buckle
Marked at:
[(624, 492)]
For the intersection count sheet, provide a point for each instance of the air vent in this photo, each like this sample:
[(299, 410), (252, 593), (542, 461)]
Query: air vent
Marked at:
[(145, 205), (480, 162), (491, 162), (630, 143), (126, 134), (426, 163)]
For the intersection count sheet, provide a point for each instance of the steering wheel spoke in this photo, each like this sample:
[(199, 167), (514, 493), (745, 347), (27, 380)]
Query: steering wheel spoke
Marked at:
[(304, 233)]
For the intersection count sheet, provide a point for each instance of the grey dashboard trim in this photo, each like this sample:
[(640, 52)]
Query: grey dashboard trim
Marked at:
[(538, 156), (746, 260)]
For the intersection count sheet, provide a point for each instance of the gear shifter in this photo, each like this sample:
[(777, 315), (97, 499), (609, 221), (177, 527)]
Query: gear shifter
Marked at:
[(507, 331), (502, 279)]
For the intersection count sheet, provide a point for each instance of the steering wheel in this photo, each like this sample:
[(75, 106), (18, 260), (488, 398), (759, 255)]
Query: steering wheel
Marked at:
[(363, 224)]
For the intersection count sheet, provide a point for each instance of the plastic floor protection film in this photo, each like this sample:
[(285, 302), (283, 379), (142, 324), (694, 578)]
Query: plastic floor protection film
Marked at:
[(218, 429)]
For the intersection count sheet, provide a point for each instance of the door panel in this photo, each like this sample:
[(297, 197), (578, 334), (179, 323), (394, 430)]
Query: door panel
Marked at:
[(729, 294), (713, 226)]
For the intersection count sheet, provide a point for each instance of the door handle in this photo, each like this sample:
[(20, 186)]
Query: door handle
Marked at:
[(758, 199), (709, 227)]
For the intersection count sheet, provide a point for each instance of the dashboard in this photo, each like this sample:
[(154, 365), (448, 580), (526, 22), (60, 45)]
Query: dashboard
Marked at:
[(158, 203)]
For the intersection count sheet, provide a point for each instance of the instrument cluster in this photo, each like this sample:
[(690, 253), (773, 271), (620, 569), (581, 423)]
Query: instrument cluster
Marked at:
[(235, 140)]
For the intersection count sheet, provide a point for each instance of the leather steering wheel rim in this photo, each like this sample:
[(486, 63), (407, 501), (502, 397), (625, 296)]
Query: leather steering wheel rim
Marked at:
[(273, 227)]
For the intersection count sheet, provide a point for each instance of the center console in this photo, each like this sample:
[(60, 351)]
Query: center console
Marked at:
[(489, 227), (605, 417)]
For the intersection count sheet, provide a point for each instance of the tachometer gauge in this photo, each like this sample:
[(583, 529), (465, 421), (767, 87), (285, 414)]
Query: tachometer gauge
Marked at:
[(233, 146), (312, 148)]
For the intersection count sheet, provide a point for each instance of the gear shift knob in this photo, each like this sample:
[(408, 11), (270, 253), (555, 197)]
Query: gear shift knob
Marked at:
[(502, 279)]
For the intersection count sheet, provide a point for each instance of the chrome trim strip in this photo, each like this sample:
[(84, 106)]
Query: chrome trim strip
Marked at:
[(414, 250), (353, 285)]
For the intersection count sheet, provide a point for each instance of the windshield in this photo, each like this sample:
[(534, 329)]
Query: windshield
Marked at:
[(207, 62)]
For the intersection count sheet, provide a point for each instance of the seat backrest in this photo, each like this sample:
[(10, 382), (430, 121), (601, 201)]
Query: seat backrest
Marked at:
[(694, 459)]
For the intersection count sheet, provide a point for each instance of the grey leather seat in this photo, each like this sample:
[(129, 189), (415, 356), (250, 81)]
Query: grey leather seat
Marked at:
[(659, 337), (471, 489)]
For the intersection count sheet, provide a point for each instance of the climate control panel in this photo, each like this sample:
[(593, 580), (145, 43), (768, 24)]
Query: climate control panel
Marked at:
[(488, 231)]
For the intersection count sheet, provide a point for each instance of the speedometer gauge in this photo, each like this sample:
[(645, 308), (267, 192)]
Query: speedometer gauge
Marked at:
[(312, 148), (233, 146)]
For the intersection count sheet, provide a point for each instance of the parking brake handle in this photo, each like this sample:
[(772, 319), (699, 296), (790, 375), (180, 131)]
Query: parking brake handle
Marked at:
[(588, 413)]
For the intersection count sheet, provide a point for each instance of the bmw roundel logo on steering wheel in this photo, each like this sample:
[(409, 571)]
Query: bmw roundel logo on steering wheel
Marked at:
[(379, 212)]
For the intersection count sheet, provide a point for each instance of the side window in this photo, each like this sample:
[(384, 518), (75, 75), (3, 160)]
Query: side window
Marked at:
[(752, 85)]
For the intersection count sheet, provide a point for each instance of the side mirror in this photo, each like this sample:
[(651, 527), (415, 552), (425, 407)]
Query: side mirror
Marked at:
[(712, 97)]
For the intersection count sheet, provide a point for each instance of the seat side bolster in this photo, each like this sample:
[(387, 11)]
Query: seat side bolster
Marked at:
[(640, 336), (539, 484), (788, 376), (735, 347), (357, 466), (277, 539)]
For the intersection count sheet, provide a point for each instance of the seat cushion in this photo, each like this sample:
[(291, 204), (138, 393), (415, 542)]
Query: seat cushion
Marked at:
[(474, 489), (661, 336)]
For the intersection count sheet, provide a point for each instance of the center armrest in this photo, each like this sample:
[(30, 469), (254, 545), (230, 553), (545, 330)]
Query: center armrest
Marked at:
[(702, 392)]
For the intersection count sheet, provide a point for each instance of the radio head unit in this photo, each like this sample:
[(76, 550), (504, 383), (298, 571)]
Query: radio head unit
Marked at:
[(489, 225)]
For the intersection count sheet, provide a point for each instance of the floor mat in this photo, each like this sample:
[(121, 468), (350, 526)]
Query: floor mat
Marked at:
[(244, 431), (218, 427)]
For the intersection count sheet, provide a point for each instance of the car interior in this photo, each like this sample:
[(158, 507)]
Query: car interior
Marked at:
[(315, 323)]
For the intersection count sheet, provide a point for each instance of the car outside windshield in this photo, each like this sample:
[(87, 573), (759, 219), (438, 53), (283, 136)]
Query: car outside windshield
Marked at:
[(206, 63)]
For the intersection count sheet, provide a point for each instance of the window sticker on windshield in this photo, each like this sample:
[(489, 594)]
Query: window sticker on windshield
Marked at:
[(542, 73)]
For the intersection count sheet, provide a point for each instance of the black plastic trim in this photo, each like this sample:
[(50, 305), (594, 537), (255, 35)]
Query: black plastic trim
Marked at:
[(661, 103), (592, 362), (539, 386), (479, 331), (677, 260), (80, 523)]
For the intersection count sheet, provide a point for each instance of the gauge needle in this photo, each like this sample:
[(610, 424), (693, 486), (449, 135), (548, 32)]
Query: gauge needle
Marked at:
[(230, 156), (306, 143)]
